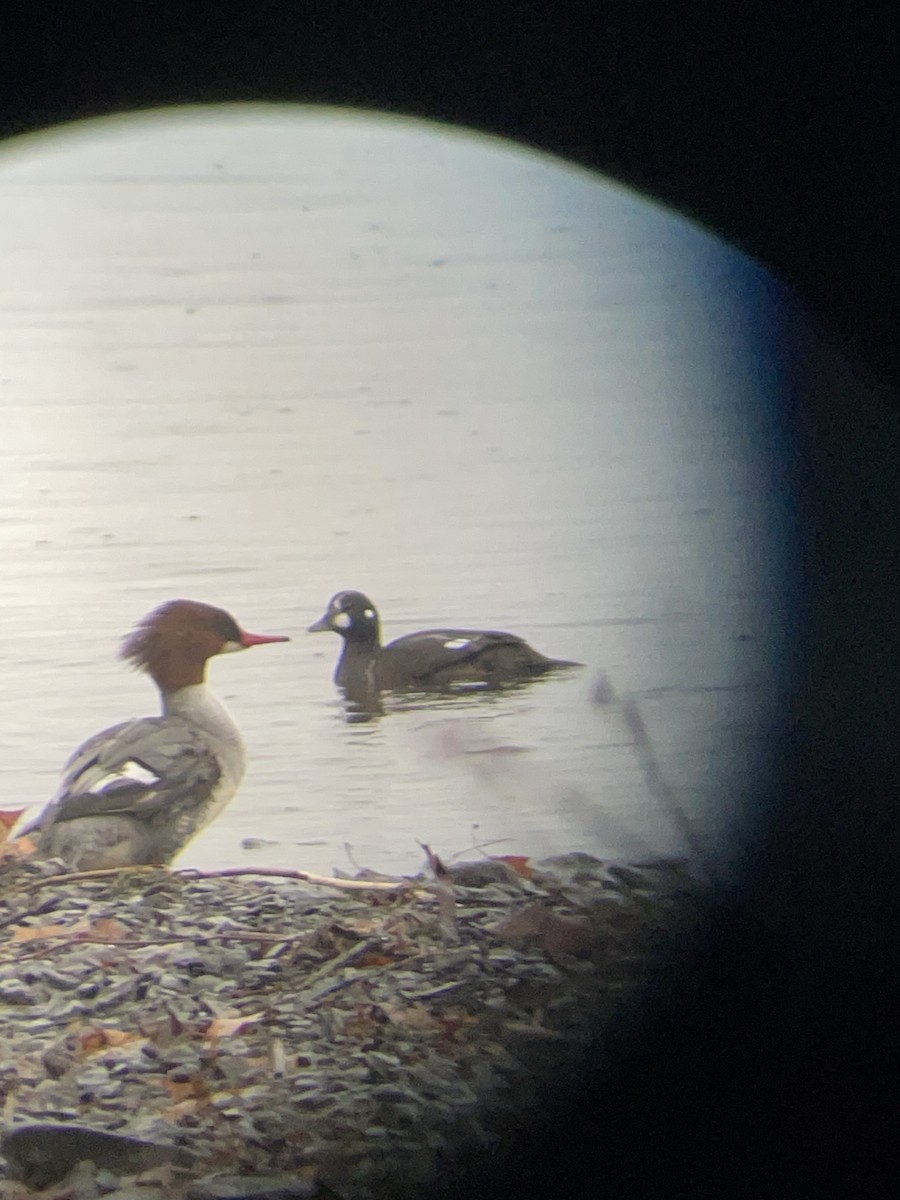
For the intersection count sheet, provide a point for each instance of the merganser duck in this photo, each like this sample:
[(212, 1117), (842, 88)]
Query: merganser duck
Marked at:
[(138, 792), (434, 659)]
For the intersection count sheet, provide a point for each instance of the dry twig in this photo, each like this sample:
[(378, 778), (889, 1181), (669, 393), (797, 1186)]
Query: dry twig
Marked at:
[(360, 885)]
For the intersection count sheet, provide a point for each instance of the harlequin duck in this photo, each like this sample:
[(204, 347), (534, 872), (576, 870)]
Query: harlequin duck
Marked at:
[(431, 660)]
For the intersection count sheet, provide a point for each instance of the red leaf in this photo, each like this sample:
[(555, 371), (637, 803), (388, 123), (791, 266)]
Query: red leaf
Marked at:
[(518, 862)]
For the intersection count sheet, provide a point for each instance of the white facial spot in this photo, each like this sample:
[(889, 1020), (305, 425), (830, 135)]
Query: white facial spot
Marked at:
[(129, 772), (342, 621), (231, 647), (457, 643), (369, 614)]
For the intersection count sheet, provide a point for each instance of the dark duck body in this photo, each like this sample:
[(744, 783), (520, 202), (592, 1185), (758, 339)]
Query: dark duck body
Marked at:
[(431, 660)]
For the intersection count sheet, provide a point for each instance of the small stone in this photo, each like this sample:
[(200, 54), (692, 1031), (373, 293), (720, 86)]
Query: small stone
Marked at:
[(312, 1101), (253, 1187), (41, 1155), (479, 874), (106, 1181), (68, 1010), (140, 1192), (54, 979), (120, 994), (12, 992), (56, 1061), (389, 1091), (208, 983), (172, 983)]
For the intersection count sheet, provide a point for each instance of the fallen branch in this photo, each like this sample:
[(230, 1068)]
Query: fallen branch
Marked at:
[(443, 890), (657, 784), (77, 876), (360, 885), (660, 788), (342, 960), (63, 938)]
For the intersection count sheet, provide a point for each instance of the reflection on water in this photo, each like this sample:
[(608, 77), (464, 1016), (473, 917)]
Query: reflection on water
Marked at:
[(366, 704), (250, 356)]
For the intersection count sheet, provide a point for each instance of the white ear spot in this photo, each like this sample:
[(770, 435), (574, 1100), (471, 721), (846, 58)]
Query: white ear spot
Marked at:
[(232, 647), (129, 772), (342, 621), (457, 643), (369, 614)]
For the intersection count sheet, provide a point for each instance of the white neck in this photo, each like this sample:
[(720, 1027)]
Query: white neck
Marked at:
[(200, 706)]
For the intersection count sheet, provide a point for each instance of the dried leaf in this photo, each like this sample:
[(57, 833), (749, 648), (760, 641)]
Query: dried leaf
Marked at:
[(18, 848), (13, 847), (108, 929), (567, 935), (373, 959), (193, 1089), (452, 1021), (118, 1037), (437, 867), (555, 934), (231, 1093), (411, 1016), (33, 933), (97, 1038), (183, 1108), (361, 1023), (227, 1026), (518, 862), (363, 927), (8, 818), (258, 1062), (91, 1041)]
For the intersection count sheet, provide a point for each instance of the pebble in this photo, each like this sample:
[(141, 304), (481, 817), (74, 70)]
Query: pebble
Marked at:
[(478, 874), (255, 1187), (143, 1192), (42, 1154), (12, 992), (352, 1078)]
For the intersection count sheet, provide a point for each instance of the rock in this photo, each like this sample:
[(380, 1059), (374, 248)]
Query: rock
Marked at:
[(575, 867), (255, 1187), (139, 1192), (57, 1060), (12, 992), (376, 1050), (40, 1155), (478, 874)]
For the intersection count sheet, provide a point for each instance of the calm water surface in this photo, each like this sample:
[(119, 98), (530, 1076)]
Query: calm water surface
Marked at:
[(253, 356)]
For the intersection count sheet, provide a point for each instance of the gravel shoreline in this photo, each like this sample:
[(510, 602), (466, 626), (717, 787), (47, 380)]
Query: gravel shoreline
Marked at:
[(252, 1035)]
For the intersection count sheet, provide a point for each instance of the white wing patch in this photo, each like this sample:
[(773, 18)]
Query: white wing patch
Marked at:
[(457, 643), (129, 772)]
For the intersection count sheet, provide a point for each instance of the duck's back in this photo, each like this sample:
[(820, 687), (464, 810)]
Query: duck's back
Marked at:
[(148, 784), (442, 657)]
